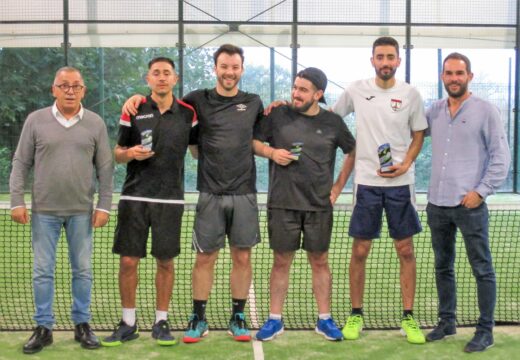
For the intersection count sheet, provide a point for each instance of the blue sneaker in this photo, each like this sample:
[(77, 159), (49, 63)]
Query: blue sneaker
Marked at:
[(238, 328), (328, 328), (197, 329), (270, 329)]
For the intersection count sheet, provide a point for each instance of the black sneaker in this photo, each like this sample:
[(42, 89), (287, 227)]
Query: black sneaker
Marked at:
[(161, 332), (122, 333), (481, 341), (444, 328)]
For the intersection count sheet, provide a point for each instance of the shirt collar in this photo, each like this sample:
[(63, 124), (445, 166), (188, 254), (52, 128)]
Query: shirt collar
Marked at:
[(57, 113)]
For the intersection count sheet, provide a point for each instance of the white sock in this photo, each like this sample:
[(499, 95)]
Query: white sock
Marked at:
[(324, 316), (160, 315), (129, 316), (275, 316)]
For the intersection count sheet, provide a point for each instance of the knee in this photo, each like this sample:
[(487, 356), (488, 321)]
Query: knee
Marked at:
[(128, 264), (165, 265), (44, 262), (406, 253), (319, 262), (483, 270), (282, 263), (359, 254), (204, 261), (42, 272), (241, 258)]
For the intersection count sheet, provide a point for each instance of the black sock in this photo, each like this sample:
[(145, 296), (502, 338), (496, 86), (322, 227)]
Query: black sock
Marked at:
[(238, 305), (357, 311), (199, 308), (407, 312)]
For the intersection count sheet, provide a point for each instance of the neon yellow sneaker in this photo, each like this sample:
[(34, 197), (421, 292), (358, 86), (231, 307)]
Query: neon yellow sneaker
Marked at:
[(353, 327), (411, 330)]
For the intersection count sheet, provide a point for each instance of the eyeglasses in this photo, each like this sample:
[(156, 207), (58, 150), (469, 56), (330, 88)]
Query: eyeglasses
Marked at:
[(65, 88)]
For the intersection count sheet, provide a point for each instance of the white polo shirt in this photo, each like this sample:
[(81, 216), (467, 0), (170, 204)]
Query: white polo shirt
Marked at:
[(382, 116)]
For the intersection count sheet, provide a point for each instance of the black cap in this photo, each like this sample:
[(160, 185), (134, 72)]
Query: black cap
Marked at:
[(317, 77)]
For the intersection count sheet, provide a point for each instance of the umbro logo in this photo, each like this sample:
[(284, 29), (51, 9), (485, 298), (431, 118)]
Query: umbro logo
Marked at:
[(145, 116), (241, 107), (370, 97)]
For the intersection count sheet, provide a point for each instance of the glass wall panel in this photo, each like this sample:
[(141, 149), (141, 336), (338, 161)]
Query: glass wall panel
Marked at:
[(31, 35), (26, 10), (123, 10), (238, 10), (464, 12), (128, 35), (340, 11)]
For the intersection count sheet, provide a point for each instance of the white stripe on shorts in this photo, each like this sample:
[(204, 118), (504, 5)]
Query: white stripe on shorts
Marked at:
[(162, 201)]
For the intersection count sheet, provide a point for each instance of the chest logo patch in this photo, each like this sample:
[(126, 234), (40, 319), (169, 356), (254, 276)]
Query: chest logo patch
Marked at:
[(241, 107), (144, 116), (395, 104)]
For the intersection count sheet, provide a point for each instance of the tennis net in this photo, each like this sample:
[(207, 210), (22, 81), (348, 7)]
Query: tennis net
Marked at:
[(382, 305)]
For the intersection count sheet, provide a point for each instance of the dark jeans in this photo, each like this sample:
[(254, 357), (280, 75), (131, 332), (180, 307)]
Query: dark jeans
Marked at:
[(473, 224)]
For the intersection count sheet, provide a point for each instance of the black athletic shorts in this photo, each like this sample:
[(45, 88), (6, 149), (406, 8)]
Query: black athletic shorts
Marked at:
[(287, 226), (134, 220)]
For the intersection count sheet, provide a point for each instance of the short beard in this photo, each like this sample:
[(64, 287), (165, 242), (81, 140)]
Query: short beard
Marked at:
[(386, 77), (222, 83), (456, 94), (302, 109)]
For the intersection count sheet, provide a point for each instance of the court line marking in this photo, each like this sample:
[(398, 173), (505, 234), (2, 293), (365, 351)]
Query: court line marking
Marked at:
[(258, 350)]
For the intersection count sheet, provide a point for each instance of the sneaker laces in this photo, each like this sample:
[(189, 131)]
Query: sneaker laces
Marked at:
[(163, 325), (193, 322), (240, 321), (354, 321), (270, 324), (411, 323), (328, 323)]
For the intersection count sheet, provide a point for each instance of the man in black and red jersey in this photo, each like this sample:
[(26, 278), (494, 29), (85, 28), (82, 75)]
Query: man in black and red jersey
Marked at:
[(226, 178), (153, 144)]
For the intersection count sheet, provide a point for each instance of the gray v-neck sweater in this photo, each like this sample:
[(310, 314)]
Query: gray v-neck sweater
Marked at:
[(66, 164)]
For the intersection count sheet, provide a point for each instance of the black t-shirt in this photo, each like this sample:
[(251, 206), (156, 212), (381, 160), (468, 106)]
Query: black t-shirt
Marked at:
[(304, 184), (160, 177), (224, 135)]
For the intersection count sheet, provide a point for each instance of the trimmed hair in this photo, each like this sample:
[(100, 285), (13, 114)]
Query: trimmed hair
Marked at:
[(230, 50), (458, 56), (67, 69), (386, 41), (161, 59)]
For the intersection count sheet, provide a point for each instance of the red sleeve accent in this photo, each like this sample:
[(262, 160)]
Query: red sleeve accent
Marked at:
[(194, 120), (124, 120), (143, 100)]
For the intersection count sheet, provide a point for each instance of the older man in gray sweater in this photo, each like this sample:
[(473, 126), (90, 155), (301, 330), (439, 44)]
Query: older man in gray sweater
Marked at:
[(68, 148)]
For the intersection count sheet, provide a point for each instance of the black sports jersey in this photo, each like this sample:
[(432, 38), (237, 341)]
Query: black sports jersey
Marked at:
[(305, 183), (160, 177), (224, 136)]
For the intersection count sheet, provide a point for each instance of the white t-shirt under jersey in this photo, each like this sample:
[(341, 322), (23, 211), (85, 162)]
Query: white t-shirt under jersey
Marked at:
[(382, 116)]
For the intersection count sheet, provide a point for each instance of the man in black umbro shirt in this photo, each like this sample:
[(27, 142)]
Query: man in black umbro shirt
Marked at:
[(153, 144), (226, 181), (303, 139)]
